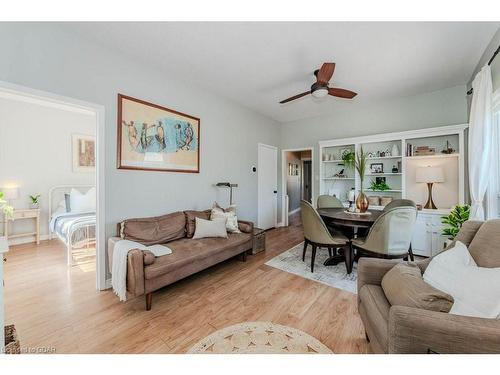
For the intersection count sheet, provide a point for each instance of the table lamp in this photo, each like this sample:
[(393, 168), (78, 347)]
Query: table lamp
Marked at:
[(430, 175), (10, 194)]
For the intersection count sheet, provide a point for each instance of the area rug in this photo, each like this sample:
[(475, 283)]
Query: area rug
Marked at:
[(335, 276), (259, 338)]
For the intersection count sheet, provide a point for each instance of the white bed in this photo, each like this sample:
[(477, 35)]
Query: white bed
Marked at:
[(75, 228)]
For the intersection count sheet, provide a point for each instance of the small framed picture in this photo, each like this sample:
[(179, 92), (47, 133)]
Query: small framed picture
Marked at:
[(376, 168), (380, 180)]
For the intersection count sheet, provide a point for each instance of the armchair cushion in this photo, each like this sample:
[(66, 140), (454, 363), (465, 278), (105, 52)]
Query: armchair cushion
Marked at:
[(403, 285)]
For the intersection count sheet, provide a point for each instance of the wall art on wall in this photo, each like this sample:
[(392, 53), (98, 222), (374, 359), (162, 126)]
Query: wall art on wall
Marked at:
[(155, 138), (83, 153)]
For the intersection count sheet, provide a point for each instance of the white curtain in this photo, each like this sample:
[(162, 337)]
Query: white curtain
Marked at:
[(480, 141)]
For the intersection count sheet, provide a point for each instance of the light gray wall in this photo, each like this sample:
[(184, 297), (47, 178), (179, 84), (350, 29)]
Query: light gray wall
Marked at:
[(495, 65), (36, 153), (44, 57), (444, 107)]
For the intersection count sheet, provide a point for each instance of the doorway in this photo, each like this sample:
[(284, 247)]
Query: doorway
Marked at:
[(267, 175), (297, 180)]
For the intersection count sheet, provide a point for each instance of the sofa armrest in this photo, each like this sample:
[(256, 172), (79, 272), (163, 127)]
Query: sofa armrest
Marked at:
[(135, 272), (245, 226), (372, 270), (414, 331)]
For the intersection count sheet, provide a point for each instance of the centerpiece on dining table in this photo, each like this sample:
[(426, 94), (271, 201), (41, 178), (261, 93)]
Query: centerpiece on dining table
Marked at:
[(359, 163)]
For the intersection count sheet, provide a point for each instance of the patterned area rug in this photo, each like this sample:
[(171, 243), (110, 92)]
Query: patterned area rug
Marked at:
[(259, 338), (336, 276)]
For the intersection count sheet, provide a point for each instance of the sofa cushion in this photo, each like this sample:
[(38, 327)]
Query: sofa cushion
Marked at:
[(154, 230), (403, 285), (210, 228), (376, 312), (186, 251), (191, 220), (485, 247)]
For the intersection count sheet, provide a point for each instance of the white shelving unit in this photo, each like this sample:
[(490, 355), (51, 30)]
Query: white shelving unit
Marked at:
[(402, 183)]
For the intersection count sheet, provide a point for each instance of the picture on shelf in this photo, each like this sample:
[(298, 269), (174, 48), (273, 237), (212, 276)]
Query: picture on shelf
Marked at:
[(377, 168)]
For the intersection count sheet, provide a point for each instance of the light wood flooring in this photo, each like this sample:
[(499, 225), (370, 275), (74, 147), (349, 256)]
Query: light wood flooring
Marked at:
[(54, 306)]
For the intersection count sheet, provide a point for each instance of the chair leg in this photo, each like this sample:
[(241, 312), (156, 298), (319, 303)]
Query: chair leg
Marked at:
[(348, 252), (149, 301), (305, 248), (330, 252), (410, 253), (314, 247)]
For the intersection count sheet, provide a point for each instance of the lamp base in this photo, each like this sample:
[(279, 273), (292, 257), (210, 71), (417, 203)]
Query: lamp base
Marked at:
[(430, 203)]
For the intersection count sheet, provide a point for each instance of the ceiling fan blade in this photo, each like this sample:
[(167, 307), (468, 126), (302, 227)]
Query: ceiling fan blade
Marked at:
[(341, 93), (295, 97), (325, 73)]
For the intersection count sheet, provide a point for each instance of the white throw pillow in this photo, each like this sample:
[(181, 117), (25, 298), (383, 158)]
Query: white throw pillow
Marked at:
[(80, 202), (476, 290), (229, 214), (210, 228)]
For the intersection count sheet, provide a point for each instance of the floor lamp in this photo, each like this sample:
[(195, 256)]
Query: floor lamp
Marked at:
[(230, 186)]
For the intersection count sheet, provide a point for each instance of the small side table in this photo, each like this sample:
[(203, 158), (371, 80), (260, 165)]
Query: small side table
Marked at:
[(33, 214), (259, 240)]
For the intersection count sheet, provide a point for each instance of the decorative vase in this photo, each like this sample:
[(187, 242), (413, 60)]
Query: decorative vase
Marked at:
[(362, 202), (34, 206), (395, 150)]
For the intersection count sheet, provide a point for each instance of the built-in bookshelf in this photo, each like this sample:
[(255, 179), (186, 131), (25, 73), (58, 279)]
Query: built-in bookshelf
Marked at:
[(393, 159)]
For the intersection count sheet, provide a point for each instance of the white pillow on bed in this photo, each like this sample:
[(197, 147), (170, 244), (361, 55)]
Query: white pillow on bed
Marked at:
[(81, 202)]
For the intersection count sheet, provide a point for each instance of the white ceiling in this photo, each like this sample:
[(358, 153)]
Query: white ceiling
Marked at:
[(259, 64)]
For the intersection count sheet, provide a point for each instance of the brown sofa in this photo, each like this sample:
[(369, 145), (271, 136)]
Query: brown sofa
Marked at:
[(146, 273), (400, 329)]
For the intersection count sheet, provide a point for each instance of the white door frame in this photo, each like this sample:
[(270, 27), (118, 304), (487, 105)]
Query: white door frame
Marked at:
[(284, 216), (98, 110), (258, 184)]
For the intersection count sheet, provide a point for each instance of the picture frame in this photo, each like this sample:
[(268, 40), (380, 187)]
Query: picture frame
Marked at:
[(151, 137), (377, 168), (83, 151), (293, 169)]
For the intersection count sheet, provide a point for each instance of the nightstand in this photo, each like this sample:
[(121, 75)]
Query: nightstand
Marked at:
[(33, 214)]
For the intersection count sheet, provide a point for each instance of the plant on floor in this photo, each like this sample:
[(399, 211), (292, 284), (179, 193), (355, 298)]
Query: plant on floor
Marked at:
[(458, 215), (380, 186), (7, 210)]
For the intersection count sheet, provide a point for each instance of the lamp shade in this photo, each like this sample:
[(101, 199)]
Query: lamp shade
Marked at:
[(10, 193), (430, 174)]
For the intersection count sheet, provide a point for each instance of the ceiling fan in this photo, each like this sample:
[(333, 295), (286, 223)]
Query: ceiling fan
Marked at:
[(320, 88)]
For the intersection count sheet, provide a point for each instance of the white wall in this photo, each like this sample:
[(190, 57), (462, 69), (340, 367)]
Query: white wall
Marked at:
[(444, 107), (495, 65), (36, 153), (45, 57)]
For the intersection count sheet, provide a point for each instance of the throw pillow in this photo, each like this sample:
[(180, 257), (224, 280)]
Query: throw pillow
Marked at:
[(476, 290), (229, 214), (191, 222), (80, 202), (210, 228), (403, 285), (154, 230)]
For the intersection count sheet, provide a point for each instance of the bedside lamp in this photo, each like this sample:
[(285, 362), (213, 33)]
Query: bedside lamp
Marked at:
[(430, 175), (10, 194)]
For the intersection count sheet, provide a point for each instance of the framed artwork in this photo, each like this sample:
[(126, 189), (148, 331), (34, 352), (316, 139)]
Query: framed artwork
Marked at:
[(293, 169), (155, 138), (83, 147), (377, 168)]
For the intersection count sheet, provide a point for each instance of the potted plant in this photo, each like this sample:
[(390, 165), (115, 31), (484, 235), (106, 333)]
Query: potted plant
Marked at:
[(7, 210), (35, 200), (458, 215), (379, 186), (349, 158), (360, 164)]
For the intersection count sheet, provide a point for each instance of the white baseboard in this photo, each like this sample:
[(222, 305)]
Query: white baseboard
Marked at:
[(27, 239), (294, 211)]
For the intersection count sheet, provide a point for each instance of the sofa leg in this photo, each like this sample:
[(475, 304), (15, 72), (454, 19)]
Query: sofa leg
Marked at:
[(244, 256), (149, 301), (366, 336)]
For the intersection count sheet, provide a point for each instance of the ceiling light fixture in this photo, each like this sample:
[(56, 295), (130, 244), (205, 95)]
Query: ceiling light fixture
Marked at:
[(320, 92)]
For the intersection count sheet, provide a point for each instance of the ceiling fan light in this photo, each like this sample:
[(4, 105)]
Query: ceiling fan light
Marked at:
[(320, 93)]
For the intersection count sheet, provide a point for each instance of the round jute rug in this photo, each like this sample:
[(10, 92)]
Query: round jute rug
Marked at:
[(259, 338)]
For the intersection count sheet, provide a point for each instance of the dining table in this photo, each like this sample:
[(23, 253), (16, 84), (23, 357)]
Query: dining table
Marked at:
[(351, 224)]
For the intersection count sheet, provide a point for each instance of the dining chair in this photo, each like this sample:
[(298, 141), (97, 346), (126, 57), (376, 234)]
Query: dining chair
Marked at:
[(389, 237), (329, 201), (400, 203), (317, 234)]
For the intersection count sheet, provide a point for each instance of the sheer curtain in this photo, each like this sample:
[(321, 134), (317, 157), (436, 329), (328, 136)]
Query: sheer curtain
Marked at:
[(492, 204), (480, 141)]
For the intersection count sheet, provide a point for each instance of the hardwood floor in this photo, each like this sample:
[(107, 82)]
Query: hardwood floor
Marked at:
[(56, 307)]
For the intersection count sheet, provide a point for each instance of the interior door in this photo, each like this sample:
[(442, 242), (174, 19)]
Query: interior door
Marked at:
[(306, 183), (267, 174)]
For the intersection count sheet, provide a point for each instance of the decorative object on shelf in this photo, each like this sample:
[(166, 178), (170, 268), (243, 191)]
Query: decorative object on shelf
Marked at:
[(293, 169), (5, 207), (35, 201), (341, 174), (387, 152), (379, 184), (384, 201), (419, 207), (424, 151), (230, 186), (395, 169), (361, 201), (395, 150), (155, 138), (377, 168), (458, 215), (83, 153), (348, 157), (381, 154), (448, 149), (374, 200), (430, 175)]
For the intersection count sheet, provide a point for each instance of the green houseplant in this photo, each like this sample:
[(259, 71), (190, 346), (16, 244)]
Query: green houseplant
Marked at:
[(380, 186), (35, 200), (7, 210), (349, 159), (458, 215), (360, 164)]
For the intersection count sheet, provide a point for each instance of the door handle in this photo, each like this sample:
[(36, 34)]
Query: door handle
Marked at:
[(275, 191)]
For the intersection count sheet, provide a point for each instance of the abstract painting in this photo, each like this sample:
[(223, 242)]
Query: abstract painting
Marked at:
[(83, 153), (155, 138)]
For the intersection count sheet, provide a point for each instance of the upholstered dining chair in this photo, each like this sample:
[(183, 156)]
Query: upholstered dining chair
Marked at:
[(389, 237), (329, 201), (400, 203), (317, 234)]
